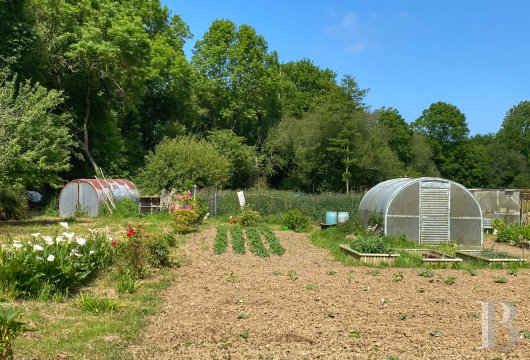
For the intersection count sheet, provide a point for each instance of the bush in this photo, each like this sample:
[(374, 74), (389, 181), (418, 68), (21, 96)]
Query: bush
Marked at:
[(371, 244), (249, 217), (13, 203), (180, 163), (296, 220), (185, 212), (132, 253)]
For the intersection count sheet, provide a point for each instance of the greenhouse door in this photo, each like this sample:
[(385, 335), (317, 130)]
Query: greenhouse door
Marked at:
[(434, 212)]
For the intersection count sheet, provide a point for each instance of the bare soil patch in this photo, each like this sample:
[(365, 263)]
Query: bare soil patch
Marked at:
[(345, 313)]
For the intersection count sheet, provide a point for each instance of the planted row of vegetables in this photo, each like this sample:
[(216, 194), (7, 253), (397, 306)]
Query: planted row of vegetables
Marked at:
[(254, 237)]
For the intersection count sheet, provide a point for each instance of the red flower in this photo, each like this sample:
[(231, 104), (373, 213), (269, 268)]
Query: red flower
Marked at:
[(113, 243), (130, 232)]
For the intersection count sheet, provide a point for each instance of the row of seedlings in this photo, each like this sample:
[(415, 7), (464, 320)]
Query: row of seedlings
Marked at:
[(274, 243), (221, 240), (255, 243), (238, 241)]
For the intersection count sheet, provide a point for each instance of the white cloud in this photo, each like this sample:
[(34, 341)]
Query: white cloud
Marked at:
[(354, 35)]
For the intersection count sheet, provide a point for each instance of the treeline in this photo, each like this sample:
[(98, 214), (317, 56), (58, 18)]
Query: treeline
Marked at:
[(100, 84)]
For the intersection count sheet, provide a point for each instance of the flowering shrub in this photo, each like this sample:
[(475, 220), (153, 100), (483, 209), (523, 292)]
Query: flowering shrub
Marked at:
[(185, 211), (131, 252), (44, 265)]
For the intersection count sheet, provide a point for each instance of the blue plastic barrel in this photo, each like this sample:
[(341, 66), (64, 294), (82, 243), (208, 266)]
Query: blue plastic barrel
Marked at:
[(331, 217), (342, 217)]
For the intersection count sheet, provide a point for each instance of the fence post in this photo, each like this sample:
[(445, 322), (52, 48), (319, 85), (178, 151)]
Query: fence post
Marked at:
[(215, 202)]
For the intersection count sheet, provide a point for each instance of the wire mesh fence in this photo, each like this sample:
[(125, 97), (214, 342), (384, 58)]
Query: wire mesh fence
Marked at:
[(274, 202)]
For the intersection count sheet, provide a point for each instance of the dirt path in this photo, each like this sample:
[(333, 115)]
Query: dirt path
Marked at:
[(348, 315)]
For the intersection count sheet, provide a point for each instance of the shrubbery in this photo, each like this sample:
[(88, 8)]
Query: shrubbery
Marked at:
[(248, 217), (13, 203), (510, 233), (295, 220)]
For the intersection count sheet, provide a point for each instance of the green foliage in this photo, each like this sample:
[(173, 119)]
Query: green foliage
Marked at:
[(158, 252), (426, 273), (248, 217), (500, 280), (273, 202), (398, 132), (243, 168), (371, 244), (275, 247), (10, 328), (295, 220), (514, 131), (132, 253), (13, 203), (238, 241), (255, 243), (450, 280), (183, 162), (311, 287), (126, 283), (397, 276), (96, 304), (221, 240), (498, 224), (186, 211), (50, 265), (512, 233), (31, 157), (125, 208)]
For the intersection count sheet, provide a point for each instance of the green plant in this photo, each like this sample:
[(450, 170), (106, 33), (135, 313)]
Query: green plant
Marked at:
[(13, 203), (124, 208), (331, 272), (238, 241), (372, 272), (96, 304), (512, 272), (274, 243), (49, 265), (255, 243), (132, 252), (500, 280), (231, 277), (292, 275), (471, 272), (242, 315), (311, 287), (371, 244), (450, 280), (244, 334), (296, 220), (355, 334), (10, 328), (525, 334), (426, 273), (397, 276), (392, 357), (331, 314), (248, 217), (126, 283), (221, 241)]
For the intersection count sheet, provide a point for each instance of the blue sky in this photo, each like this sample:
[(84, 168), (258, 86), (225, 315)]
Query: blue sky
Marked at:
[(472, 54)]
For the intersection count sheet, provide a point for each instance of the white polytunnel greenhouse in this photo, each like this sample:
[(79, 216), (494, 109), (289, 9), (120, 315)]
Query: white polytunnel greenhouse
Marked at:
[(427, 211), (88, 195)]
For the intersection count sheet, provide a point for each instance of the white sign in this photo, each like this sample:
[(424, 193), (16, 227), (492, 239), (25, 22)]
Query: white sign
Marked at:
[(241, 197)]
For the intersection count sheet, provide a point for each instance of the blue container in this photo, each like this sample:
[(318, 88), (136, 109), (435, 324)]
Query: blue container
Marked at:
[(342, 217), (331, 217)]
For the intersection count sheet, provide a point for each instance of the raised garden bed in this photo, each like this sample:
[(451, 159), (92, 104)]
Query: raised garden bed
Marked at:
[(369, 258), (490, 256), (429, 255)]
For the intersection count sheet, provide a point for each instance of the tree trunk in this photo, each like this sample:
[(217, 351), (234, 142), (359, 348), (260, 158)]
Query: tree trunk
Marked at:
[(84, 144)]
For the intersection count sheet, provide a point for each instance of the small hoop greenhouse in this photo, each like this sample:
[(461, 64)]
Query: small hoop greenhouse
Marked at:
[(88, 195), (427, 211)]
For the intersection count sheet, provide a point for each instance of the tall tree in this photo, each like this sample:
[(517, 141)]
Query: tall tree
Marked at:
[(104, 55), (399, 133), (515, 129), (238, 84), (446, 128)]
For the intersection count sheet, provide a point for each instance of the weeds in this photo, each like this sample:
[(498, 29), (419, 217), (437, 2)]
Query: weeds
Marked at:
[(500, 280), (398, 276), (292, 275), (96, 304), (450, 280), (231, 277), (426, 273), (10, 328), (373, 272), (355, 334), (311, 287)]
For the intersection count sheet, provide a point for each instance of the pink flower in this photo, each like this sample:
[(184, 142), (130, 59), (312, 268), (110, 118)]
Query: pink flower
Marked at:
[(171, 206)]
